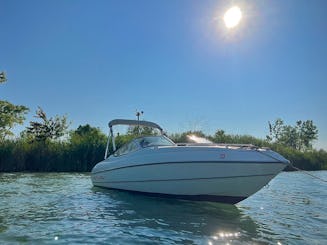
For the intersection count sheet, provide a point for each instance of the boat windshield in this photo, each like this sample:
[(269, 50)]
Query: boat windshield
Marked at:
[(143, 142), (154, 141)]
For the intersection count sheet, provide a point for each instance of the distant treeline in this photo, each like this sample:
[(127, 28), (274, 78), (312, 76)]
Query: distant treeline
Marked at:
[(85, 146)]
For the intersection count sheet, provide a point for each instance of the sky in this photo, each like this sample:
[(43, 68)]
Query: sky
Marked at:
[(95, 61)]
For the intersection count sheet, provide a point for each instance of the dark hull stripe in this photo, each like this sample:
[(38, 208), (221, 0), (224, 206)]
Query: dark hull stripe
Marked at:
[(207, 198), (185, 162), (184, 179)]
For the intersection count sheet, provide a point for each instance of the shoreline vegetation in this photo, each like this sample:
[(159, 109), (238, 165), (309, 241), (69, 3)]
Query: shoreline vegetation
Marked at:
[(85, 146), (46, 146)]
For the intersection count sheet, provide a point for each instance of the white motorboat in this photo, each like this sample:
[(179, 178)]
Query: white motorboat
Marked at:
[(155, 165)]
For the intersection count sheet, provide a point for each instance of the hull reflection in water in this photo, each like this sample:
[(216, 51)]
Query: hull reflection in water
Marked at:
[(191, 222), (156, 166)]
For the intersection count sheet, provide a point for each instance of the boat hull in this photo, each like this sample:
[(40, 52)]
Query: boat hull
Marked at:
[(219, 181)]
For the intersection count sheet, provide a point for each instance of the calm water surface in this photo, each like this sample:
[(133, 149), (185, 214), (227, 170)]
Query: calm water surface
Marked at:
[(64, 208)]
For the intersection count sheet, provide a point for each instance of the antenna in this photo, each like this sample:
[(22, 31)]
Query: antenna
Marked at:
[(138, 114)]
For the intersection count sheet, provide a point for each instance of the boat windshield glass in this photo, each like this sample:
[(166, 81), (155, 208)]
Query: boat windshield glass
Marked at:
[(143, 142), (154, 141), (127, 148)]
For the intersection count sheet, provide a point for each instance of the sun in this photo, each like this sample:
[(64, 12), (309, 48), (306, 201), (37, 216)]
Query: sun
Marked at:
[(232, 17)]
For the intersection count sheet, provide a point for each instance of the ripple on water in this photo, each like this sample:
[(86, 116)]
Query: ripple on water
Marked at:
[(62, 208)]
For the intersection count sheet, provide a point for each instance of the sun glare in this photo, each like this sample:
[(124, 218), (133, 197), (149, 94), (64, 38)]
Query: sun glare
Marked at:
[(232, 17), (198, 139)]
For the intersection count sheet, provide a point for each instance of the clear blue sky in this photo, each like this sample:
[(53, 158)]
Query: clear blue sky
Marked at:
[(175, 60)]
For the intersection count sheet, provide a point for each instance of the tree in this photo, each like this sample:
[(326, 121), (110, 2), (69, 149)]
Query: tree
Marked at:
[(289, 137), (275, 130), (87, 146), (308, 132), (298, 137), (88, 135), (10, 115), (141, 130), (49, 128), (221, 137)]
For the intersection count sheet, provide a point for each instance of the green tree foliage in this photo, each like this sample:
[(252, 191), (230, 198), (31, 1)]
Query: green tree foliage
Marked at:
[(87, 135), (138, 131), (307, 132), (299, 137), (87, 145), (275, 130), (10, 115), (221, 137), (48, 128), (308, 160)]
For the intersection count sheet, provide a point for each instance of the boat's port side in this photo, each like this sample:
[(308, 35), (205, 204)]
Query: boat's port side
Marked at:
[(213, 179)]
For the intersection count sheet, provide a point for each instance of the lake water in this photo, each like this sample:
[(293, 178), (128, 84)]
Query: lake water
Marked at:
[(64, 208)]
